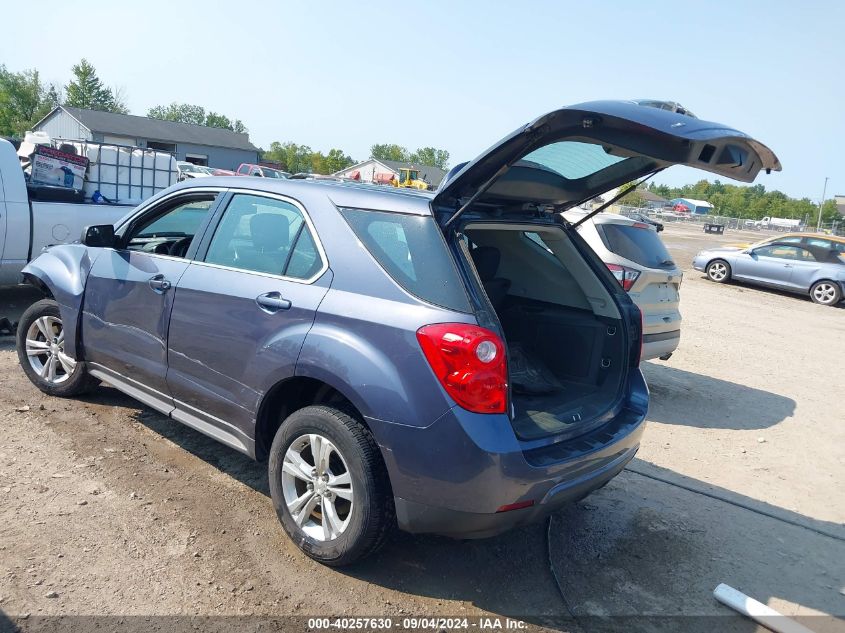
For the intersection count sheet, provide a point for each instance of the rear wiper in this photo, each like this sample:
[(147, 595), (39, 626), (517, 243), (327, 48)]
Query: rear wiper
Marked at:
[(620, 194)]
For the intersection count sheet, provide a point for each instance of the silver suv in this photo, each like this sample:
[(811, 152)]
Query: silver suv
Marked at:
[(638, 259)]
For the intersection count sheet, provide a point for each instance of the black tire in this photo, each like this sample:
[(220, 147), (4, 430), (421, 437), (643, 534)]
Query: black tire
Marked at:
[(719, 271), (826, 293), (76, 382), (372, 516)]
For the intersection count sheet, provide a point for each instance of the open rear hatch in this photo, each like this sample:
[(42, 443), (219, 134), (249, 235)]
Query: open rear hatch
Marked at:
[(568, 326)]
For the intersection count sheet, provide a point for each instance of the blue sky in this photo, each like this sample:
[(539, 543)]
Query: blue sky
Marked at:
[(460, 75)]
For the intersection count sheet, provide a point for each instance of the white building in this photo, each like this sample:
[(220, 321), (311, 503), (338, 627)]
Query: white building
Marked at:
[(382, 171)]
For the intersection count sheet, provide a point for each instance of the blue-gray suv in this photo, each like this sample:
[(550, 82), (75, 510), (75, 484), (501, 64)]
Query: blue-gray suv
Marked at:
[(457, 362)]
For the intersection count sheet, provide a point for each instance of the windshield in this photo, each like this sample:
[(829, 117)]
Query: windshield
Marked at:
[(190, 167), (637, 242)]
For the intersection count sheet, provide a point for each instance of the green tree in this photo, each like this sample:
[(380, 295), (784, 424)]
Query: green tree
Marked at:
[(390, 151), (829, 212), (431, 156), (632, 197), (336, 160), (195, 115), (293, 157), (179, 112), (23, 101), (212, 119), (86, 90)]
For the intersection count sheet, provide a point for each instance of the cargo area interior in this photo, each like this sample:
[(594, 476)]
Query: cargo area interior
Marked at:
[(566, 345)]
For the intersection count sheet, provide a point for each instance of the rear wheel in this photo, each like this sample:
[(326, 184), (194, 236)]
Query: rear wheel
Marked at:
[(329, 486), (719, 271), (826, 293), (41, 352)]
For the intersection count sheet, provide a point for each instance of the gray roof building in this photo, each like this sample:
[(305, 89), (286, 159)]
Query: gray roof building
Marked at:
[(199, 144)]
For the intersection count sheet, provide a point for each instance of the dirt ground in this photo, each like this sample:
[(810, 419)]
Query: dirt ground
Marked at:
[(109, 509)]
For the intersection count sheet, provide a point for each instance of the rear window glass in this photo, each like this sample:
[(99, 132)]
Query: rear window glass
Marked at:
[(412, 251), (640, 245), (572, 159)]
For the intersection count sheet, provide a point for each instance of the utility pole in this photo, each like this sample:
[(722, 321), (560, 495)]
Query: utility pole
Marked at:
[(821, 204)]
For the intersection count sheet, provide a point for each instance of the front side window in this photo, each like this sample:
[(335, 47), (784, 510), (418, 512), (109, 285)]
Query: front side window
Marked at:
[(170, 232), (411, 249), (781, 251), (265, 235)]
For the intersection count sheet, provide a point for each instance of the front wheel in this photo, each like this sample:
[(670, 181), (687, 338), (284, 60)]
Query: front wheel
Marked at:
[(41, 352), (826, 293), (719, 271), (329, 486)]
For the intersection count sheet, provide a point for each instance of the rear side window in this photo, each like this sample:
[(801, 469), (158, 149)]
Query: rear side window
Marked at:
[(639, 244), (264, 235), (411, 250)]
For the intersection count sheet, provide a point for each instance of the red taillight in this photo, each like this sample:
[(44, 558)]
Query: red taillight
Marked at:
[(624, 275), (469, 361)]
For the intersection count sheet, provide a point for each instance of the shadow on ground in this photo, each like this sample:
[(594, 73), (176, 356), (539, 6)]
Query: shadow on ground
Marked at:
[(683, 397), (742, 287), (639, 555)]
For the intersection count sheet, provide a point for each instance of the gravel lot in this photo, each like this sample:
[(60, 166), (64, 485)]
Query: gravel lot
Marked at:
[(107, 508)]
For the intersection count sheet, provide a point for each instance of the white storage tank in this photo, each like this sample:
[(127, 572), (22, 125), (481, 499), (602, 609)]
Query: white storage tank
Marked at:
[(126, 174)]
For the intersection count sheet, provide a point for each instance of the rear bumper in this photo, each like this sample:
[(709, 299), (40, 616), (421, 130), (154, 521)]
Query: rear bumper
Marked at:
[(452, 477), (418, 517), (656, 345)]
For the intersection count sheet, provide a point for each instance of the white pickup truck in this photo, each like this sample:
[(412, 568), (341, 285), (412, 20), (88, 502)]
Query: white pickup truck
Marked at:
[(28, 225), (778, 224)]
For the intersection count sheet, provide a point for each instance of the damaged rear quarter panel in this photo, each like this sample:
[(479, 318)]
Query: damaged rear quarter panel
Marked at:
[(63, 270)]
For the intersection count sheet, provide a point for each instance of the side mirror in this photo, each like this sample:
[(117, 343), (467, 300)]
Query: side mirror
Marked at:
[(101, 235)]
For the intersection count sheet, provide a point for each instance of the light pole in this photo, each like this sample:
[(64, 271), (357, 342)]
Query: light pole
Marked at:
[(821, 204)]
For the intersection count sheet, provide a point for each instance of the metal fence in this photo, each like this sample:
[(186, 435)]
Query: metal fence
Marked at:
[(836, 227)]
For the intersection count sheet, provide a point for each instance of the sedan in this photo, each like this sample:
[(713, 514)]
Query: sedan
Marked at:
[(800, 268)]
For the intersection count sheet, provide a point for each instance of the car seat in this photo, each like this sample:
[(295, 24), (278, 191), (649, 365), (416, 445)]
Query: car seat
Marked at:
[(270, 235), (486, 260)]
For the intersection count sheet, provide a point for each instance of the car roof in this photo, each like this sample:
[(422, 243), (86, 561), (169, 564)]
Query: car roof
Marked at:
[(340, 193)]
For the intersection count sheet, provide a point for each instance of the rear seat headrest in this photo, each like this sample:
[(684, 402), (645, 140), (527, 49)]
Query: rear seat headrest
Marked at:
[(486, 259)]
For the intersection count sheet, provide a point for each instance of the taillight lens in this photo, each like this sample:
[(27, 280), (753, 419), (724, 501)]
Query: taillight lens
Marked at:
[(624, 275), (469, 361)]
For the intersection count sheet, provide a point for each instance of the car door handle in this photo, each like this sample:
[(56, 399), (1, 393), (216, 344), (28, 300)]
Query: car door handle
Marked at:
[(159, 284), (272, 302)]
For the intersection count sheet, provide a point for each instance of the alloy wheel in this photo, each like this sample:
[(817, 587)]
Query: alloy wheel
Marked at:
[(45, 349), (824, 293), (317, 487), (717, 271)]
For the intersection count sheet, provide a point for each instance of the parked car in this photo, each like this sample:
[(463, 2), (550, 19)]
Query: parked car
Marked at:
[(458, 362), (222, 172), (802, 268), (637, 257), (641, 217), (248, 169), (189, 170), (831, 242)]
